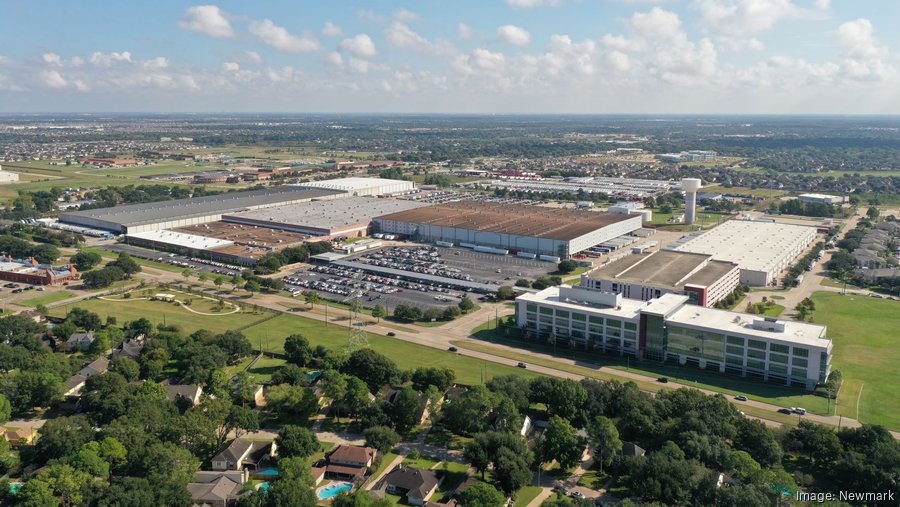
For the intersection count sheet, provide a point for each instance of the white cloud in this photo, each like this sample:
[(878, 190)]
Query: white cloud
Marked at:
[(5, 60), (52, 59), (463, 31), (335, 58), (283, 75), (515, 35), (736, 21), (53, 79), (358, 65), (107, 59), (360, 45), (402, 36), (405, 16), (279, 38), (528, 4), (863, 57), (159, 62), (207, 19), (251, 57), (331, 30), (231, 66)]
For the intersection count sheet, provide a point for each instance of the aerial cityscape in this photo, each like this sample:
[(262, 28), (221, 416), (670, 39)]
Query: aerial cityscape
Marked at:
[(473, 254)]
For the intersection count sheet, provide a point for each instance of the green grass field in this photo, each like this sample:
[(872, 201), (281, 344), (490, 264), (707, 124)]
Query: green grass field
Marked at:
[(46, 299), (270, 337), (865, 335)]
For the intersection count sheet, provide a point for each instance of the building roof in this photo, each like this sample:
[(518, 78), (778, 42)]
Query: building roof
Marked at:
[(181, 239), (665, 268), (417, 482), (753, 245), (352, 454), (331, 214), (219, 490), (152, 212), (241, 448), (522, 220), (95, 367), (346, 470), (354, 183), (189, 391), (78, 337)]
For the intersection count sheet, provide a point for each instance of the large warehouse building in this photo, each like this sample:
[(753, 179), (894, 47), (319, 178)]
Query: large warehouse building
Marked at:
[(669, 329), (646, 276), (761, 249), (364, 186), (515, 228), (154, 216), (350, 217)]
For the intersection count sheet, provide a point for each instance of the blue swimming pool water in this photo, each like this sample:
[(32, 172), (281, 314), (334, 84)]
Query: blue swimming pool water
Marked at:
[(14, 487), (333, 490), (272, 472), (312, 375), (264, 487)]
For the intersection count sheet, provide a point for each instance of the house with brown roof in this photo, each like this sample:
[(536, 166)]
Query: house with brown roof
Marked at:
[(350, 462), (217, 493), (76, 382), (189, 392), (19, 436), (413, 483)]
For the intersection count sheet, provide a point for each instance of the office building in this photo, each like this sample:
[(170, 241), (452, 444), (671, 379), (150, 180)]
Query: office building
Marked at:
[(821, 198), (669, 329)]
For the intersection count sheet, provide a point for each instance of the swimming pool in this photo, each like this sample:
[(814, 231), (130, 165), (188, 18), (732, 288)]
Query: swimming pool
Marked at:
[(333, 490), (269, 472), (264, 487), (312, 375)]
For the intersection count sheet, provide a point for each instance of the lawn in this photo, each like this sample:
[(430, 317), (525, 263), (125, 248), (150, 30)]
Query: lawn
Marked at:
[(422, 463), (159, 312), (46, 299), (525, 495), (865, 335), (271, 334)]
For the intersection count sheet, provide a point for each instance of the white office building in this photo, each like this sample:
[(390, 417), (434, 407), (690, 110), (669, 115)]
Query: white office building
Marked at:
[(821, 198), (669, 329)]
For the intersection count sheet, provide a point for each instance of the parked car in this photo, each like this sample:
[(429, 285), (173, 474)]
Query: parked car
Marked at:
[(785, 411), (740, 397), (521, 365), (798, 410), (391, 333), (453, 349), (577, 494), (663, 380)]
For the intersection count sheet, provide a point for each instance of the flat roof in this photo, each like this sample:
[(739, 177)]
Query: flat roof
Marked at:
[(742, 323), (665, 268), (627, 309), (354, 183), (753, 245), (331, 214), (181, 239), (518, 219), (152, 212)]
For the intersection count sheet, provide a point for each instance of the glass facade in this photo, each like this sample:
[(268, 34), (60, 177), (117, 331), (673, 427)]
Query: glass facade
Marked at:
[(655, 344)]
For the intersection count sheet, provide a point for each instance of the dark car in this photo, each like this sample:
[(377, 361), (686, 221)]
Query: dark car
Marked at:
[(521, 365), (740, 397), (663, 380), (453, 349), (391, 333), (785, 411)]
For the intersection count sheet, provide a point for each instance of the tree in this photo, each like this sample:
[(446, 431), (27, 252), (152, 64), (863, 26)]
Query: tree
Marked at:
[(373, 368), (252, 286), (126, 367), (335, 388), (126, 263), (292, 400), (873, 213), (290, 374), (242, 420), (442, 378), (186, 273), (236, 281), (5, 409), (297, 350), (482, 494), (382, 438), (379, 312), (219, 281), (466, 304), (605, 438), (505, 292), (512, 470), (561, 443), (84, 261), (567, 266), (406, 409), (296, 441), (313, 298), (62, 436), (357, 395)]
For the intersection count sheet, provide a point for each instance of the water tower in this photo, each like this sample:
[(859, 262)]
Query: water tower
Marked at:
[(690, 187)]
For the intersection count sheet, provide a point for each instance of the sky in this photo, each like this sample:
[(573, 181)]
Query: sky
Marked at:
[(452, 56)]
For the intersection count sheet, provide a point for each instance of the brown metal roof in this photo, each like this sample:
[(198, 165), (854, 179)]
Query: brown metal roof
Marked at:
[(536, 221)]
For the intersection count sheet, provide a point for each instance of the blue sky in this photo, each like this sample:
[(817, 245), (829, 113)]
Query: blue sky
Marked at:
[(578, 56)]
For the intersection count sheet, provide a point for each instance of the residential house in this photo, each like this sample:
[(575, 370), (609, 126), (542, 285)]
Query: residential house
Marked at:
[(76, 382), (318, 474), (413, 483), (80, 341), (217, 493), (19, 436), (424, 404), (632, 449), (131, 348), (189, 392), (244, 454), (349, 462)]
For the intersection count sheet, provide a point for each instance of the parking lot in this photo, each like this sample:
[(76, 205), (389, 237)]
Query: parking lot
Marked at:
[(489, 268), (202, 265)]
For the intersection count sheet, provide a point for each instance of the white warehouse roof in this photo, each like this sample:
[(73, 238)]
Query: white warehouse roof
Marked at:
[(757, 246), (181, 239), (372, 186)]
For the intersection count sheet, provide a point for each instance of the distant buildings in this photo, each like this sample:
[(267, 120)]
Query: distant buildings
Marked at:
[(689, 156), (821, 198), (32, 272), (669, 329)]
